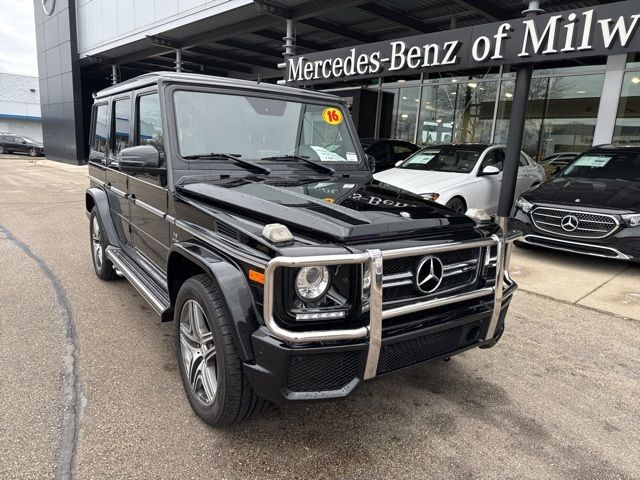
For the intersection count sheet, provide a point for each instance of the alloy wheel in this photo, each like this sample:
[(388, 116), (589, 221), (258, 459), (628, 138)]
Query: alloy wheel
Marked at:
[(198, 352), (96, 243), (33, 152)]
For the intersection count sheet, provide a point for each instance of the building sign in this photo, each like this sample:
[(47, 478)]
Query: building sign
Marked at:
[(602, 30)]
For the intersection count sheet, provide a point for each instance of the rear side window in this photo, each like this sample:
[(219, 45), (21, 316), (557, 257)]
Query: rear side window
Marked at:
[(121, 124), (100, 139), (149, 126)]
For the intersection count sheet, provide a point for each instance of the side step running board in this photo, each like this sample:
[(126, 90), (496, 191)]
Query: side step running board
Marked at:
[(152, 293)]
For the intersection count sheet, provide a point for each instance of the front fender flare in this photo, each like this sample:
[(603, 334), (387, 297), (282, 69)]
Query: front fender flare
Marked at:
[(101, 202), (231, 283)]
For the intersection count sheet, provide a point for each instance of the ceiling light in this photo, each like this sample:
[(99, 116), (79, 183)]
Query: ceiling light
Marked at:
[(581, 91), (439, 120), (401, 81), (453, 93), (454, 81), (405, 98), (417, 99), (635, 80), (472, 85), (404, 115), (508, 95)]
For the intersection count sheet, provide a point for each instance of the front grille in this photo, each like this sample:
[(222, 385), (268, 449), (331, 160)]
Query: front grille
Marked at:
[(322, 372), (585, 225), (410, 352), (460, 271)]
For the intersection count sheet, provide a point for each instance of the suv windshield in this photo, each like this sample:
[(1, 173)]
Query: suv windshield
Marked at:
[(618, 165), (257, 128), (454, 160)]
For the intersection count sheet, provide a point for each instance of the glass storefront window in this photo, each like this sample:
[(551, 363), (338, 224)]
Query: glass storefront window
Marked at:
[(457, 112), (561, 116), (627, 129), (406, 113)]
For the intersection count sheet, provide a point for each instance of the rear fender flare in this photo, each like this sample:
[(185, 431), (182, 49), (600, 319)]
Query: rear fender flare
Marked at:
[(231, 283)]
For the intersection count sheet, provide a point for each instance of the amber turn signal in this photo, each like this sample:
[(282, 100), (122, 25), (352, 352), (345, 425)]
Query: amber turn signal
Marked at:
[(257, 277)]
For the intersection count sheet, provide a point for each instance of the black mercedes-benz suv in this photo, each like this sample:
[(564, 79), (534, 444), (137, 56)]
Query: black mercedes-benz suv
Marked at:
[(247, 214), (591, 207)]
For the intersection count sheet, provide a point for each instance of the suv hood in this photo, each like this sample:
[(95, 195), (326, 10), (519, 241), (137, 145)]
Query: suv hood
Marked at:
[(344, 209), (419, 181), (615, 194)]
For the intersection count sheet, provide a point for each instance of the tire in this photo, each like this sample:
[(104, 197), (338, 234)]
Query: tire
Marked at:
[(457, 204), (3, 149), (98, 242), (33, 152), (210, 368)]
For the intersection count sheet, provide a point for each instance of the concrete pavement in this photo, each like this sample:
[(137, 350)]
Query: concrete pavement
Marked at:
[(559, 397)]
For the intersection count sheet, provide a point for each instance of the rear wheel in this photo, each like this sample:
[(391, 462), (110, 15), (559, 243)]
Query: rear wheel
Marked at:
[(3, 149), (457, 204), (101, 264), (210, 367)]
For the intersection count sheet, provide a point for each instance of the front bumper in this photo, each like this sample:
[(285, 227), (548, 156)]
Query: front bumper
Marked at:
[(284, 372), (295, 365), (623, 244)]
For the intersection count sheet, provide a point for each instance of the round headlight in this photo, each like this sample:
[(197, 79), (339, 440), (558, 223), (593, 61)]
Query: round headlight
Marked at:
[(312, 282)]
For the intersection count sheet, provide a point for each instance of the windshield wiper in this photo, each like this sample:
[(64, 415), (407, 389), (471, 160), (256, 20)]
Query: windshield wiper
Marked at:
[(318, 166), (234, 157)]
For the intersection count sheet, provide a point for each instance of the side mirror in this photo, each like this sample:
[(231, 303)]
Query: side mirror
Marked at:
[(143, 158), (371, 162), (490, 170), (399, 162), (556, 170)]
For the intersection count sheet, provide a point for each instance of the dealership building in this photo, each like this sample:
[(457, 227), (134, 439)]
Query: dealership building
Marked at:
[(457, 83)]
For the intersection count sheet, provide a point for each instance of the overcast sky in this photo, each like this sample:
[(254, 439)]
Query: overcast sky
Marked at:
[(18, 38)]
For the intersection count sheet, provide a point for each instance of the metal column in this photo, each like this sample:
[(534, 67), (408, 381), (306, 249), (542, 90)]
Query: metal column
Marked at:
[(516, 130)]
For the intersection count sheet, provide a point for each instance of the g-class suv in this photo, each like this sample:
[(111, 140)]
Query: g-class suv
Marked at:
[(247, 214)]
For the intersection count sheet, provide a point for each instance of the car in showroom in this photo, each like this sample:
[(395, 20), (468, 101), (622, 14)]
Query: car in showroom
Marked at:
[(247, 214), (387, 152), (592, 207), (554, 164), (461, 176), (18, 143)]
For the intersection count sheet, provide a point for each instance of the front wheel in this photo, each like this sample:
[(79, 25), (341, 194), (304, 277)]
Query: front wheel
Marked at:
[(33, 152), (457, 204), (101, 264), (211, 369), (3, 149)]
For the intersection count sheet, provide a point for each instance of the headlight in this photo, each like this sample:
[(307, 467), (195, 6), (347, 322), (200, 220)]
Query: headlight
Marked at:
[(430, 196), (632, 220), (312, 282), (524, 205)]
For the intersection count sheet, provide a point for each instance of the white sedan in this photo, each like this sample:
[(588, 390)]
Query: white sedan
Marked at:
[(461, 176)]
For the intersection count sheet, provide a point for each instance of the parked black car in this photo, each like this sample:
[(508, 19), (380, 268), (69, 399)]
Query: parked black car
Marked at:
[(592, 207), (17, 143), (387, 152), (246, 213)]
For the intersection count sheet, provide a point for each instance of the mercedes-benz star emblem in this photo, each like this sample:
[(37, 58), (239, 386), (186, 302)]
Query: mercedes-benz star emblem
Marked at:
[(429, 274), (48, 6), (569, 223)]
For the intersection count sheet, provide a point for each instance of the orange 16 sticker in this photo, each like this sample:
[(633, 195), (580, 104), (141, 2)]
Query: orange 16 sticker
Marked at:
[(332, 116)]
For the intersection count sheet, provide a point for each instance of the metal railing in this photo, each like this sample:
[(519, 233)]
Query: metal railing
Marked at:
[(374, 259)]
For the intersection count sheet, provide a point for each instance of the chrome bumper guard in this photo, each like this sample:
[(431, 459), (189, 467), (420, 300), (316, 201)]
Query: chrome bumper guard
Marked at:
[(374, 258)]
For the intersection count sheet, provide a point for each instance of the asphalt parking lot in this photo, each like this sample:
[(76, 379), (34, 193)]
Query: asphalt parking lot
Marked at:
[(90, 389)]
